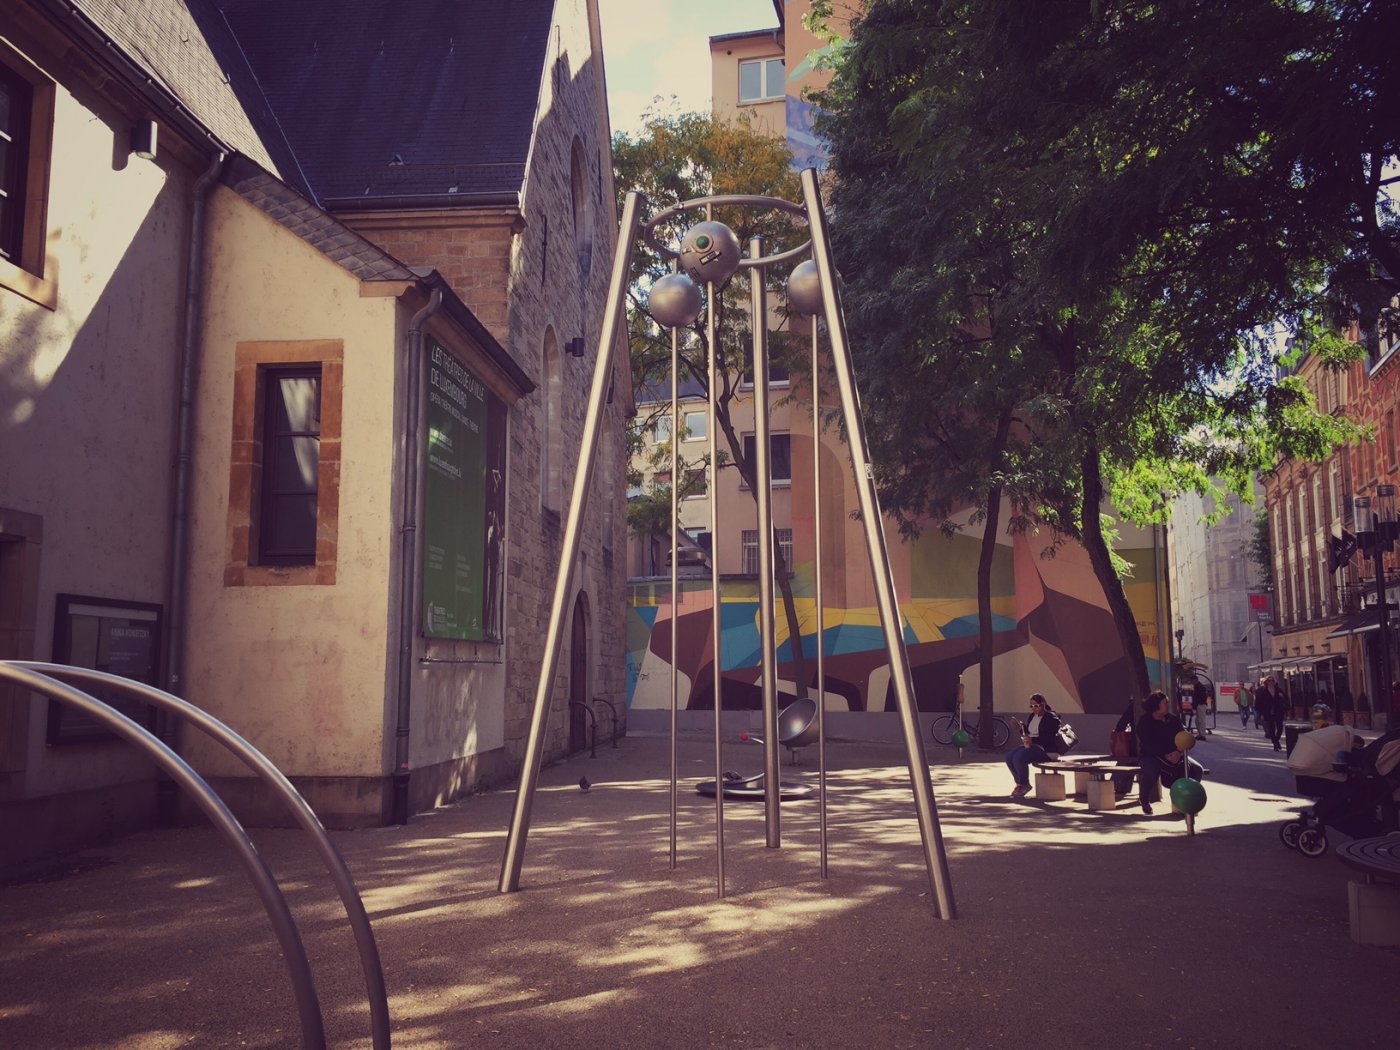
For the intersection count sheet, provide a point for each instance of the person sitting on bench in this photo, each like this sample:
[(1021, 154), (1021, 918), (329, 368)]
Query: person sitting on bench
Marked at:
[(1037, 741), (1159, 758)]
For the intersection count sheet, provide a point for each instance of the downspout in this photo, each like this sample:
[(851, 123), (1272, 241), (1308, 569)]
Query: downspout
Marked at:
[(190, 355), (408, 551)]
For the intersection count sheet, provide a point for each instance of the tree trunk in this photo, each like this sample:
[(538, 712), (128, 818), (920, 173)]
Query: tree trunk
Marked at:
[(985, 643), (1091, 530), (985, 640)]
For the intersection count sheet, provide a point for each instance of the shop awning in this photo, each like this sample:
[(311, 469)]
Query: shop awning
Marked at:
[(1360, 623)]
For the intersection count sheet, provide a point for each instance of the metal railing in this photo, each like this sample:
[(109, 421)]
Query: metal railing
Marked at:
[(53, 681)]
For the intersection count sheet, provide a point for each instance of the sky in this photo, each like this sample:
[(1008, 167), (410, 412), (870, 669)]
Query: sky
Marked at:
[(662, 47)]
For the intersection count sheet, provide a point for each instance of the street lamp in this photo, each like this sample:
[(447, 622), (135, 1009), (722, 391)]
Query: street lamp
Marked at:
[(1376, 531)]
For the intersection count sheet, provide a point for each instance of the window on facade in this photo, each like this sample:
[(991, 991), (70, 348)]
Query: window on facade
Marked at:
[(695, 486), (291, 465), (750, 545), (552, 413), (696, 426), (779, 456), (663, 429), (284, 475), (26, 118), (582, 202), (778, 375), (760, 79)]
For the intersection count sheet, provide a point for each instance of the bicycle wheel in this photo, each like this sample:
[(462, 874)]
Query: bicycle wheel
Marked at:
[(1001, 734), (943, 728)]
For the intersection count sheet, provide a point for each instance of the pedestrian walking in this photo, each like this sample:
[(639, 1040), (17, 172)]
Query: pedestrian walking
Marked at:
[(1245, 699), (1272, 705)]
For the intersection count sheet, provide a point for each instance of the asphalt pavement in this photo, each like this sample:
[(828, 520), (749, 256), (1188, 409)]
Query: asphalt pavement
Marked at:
[(1073, 928)]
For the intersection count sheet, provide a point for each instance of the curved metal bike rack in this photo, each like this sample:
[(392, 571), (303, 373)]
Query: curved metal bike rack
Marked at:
[(52, 681)]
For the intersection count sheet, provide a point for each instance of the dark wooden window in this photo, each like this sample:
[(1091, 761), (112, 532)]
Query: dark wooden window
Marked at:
[(291, 464), (16, 105)]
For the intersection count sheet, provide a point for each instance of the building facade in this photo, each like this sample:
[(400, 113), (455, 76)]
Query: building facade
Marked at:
[(290, 336)]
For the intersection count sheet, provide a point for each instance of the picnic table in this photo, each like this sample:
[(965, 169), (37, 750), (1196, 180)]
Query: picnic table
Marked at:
[(1374, 903), (1093, 778)]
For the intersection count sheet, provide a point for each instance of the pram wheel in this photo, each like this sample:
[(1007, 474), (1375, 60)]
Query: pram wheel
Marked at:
[(1312, 842), (1288, 834)]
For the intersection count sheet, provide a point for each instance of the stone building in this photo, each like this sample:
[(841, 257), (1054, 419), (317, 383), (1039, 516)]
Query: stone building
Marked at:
[(292, 345)]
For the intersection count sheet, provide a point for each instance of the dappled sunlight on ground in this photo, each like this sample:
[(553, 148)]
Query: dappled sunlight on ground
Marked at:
[(607, 944)]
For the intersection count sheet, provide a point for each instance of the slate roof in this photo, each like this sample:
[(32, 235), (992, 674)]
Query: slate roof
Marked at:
[(387, 99), (364, 101), (187, 49)]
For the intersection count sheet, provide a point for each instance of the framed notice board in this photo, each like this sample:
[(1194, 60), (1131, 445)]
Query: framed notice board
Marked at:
[(122, 638)]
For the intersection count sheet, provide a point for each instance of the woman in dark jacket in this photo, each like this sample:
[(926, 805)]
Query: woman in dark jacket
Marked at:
[(1037, 743), (1158, 755)]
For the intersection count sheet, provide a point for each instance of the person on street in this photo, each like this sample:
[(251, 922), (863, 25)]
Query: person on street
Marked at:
[(1272, 706), (1037, 741), (1159, 759), (1245, 700)]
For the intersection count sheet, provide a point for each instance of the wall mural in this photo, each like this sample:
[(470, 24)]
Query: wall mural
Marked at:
[(1052, 633)]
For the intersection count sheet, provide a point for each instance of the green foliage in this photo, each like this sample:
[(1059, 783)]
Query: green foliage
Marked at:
[(1094, 216)]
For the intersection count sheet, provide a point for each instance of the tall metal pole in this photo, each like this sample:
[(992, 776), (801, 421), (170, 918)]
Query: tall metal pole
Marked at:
[(573, 532), (818, 595), (716, 617), (935, 859), (675, 573), (763, 494)]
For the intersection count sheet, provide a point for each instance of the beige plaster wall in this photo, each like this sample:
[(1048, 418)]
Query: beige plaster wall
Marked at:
[(86, 394), (300, 670), (725, 55)]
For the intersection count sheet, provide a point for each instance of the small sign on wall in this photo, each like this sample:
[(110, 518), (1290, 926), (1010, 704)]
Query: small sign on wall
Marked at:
[(121, 638)]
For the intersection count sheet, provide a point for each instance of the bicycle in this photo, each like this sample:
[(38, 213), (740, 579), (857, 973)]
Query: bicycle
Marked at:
[(945, 726)]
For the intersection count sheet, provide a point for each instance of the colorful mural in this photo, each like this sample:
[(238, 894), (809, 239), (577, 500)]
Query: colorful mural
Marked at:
[(1052, 632)]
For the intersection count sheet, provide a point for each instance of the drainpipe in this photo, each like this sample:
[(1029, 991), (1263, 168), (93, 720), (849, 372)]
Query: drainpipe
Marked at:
[(190, 353), (408, 551)]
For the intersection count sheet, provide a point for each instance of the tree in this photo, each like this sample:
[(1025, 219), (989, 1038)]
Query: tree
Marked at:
[(683, 157), (1123, 214)]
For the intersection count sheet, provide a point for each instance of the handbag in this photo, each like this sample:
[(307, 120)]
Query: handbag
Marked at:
[(1065, 738), (1120, 744)]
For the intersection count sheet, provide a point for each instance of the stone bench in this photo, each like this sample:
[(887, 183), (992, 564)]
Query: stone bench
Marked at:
[(1093, 778), (1374, 903)]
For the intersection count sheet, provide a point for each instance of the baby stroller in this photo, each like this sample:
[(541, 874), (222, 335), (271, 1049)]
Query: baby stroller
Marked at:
[(1357, 787)]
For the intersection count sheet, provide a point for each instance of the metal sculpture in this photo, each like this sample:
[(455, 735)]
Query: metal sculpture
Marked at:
[(710, 254)]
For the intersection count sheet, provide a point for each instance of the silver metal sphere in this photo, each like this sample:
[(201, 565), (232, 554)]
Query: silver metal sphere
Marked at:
[(710, 252), (804, 289), (675, 300)]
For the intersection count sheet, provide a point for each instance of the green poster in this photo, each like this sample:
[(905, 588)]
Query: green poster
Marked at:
[(454, 514)]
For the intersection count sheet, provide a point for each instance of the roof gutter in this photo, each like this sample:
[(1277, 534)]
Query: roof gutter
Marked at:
[(505, 199), (105, 50), (409, 578)]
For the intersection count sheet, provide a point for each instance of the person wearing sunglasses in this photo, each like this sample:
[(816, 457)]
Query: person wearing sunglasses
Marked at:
[(1038, 739)]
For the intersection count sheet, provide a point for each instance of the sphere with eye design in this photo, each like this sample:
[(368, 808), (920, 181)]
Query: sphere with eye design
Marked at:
[(674, 300), (710, 252)]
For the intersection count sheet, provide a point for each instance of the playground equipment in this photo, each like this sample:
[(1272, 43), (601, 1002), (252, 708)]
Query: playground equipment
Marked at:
[(56, 682), (710, 255), (797, 728)]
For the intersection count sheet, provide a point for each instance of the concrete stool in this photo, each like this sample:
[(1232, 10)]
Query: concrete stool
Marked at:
[(1101, 795), (1375, 913), (1049, 787)]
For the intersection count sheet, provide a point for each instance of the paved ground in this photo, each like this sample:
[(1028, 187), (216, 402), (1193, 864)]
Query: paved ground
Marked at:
[(1075, 929)]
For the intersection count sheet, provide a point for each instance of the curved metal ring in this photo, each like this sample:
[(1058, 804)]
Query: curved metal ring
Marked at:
[(648, 228)]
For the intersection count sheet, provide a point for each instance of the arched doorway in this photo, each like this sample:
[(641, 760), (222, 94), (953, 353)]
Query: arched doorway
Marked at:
[(578, 678)]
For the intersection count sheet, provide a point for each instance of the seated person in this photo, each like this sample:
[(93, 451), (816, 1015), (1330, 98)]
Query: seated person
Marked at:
[(1159, 758), (1038, 742)]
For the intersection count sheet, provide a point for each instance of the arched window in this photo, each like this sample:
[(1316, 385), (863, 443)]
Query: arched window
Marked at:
[(552, 425), (582, 207)]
